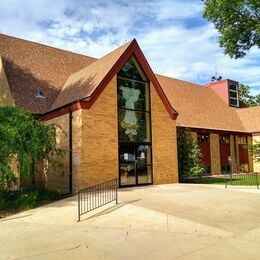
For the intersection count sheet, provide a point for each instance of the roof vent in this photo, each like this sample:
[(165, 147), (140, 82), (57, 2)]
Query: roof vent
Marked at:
[(40, 94)]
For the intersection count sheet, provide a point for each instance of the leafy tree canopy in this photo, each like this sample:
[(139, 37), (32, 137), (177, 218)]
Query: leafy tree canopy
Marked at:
[(25, 141), (246, 97), (238, 22)]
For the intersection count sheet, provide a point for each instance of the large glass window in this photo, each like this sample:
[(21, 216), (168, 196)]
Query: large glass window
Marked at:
[(134, 125)]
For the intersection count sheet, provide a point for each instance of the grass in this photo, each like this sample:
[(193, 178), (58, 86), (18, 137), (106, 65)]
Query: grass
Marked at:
[(242, 180)]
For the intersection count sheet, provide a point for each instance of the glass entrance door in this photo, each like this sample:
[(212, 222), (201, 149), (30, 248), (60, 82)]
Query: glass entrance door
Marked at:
[(135, 164)]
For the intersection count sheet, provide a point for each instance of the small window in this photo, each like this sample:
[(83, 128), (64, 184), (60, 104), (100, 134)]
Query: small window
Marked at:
[(202, 138)]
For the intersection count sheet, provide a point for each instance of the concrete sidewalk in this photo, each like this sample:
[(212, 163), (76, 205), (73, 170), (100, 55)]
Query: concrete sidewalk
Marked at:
[(177, 221)]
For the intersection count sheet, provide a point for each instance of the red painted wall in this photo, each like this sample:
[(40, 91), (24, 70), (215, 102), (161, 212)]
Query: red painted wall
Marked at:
[(224, 153), (205, 151), (221, 88), (243, 154)]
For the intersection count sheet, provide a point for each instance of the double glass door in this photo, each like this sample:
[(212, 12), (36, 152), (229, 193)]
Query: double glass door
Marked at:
[(135, 164)]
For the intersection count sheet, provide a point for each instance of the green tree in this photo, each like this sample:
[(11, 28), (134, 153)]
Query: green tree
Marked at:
[(189, 155), (246, 97), (255, 151), (25, 140), (238, 23)]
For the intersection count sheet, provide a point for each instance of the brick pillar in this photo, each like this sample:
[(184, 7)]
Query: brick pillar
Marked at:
[(237, 153), (215, 154), (234, 153), (250, 157)]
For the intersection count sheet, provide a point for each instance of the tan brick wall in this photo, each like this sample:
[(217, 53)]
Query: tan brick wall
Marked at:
[(164, 140), (59, 178), (5, 96), (234, 153), (77, 148), (99, 155), (97, 158), (250, 157), (215, 154), (256, 165)]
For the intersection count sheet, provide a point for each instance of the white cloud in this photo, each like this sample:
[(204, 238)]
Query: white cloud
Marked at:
[(174, 39)]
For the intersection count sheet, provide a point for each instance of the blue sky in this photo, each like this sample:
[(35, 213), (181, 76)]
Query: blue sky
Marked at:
[(174, 37)]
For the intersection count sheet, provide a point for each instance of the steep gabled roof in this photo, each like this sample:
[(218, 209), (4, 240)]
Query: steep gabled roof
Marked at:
[(84, 82), (89, 82), (199, 106), (64, 77), (32, 66)]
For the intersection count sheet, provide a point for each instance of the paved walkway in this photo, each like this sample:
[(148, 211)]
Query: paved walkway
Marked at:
[(178, 221)]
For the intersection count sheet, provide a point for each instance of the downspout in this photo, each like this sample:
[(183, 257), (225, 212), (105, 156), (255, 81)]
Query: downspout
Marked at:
[(70, 152)]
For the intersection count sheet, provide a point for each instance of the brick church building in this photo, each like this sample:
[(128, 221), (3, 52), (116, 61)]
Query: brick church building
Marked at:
[(119, 119)]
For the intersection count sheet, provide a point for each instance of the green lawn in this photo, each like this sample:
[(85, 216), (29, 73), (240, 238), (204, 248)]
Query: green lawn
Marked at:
[(236, 180)]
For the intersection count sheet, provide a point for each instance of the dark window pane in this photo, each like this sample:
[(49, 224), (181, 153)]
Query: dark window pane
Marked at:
[(233, 94), (130, 71), (233, 87), (233, 102)]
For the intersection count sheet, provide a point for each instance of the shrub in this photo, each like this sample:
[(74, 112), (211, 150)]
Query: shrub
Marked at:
[(49, 195), (28, 200), (189, 155)]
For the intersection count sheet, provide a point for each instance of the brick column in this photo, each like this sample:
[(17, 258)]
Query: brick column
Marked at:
[(250, 157), (215, 154)]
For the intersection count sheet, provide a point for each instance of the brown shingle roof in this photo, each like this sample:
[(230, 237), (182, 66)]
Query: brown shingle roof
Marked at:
[(83, 83), (250, 117), (199, 107), (65, 77), (32, 66)]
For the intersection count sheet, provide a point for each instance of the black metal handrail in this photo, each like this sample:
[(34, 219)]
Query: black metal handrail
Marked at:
[(242, 179), (97, 196)]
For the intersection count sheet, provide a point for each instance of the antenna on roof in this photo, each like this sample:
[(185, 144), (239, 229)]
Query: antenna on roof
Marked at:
[(40, 94), (215, 77)]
